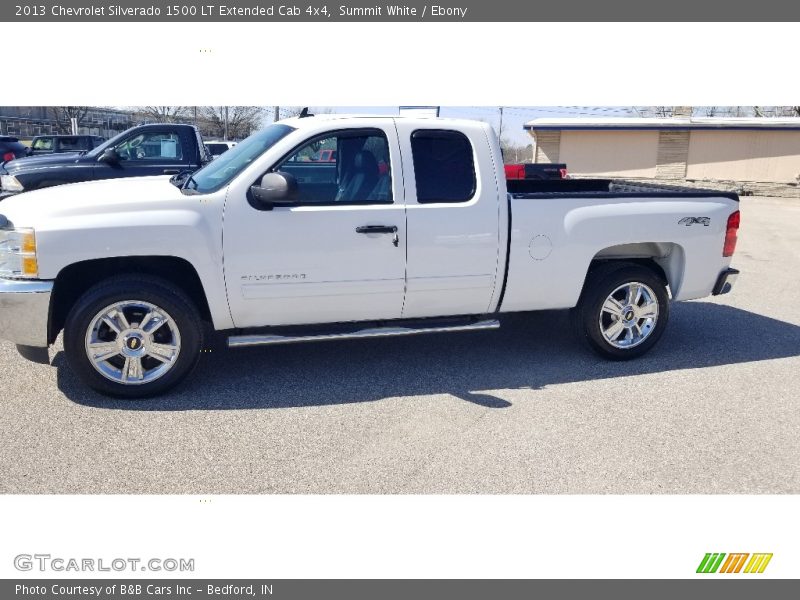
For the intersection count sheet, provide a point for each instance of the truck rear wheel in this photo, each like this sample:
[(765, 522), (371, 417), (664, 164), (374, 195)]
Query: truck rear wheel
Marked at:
[(623, 310), (133, 337)]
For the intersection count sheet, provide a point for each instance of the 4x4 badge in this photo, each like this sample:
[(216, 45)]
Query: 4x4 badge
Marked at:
[(695, 220)]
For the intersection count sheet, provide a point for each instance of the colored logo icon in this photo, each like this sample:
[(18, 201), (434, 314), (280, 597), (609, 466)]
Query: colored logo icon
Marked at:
[(734, 563)]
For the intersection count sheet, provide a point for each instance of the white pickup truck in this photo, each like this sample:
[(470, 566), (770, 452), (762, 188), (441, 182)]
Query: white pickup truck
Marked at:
[(405, 227)]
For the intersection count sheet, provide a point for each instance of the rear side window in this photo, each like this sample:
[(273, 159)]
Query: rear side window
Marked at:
[(72, 143), (443, 166)]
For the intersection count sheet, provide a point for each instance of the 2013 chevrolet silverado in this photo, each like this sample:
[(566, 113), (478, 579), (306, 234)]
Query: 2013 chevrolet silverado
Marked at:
[(411, 229)]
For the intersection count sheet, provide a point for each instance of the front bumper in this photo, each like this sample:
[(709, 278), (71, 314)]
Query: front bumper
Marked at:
[(725, 282), (24, 311)]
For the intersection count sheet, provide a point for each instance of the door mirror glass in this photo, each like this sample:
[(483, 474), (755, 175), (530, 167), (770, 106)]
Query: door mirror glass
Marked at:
[(274, 189)]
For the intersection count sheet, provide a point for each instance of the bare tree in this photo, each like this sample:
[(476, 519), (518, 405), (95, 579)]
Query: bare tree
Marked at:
[(716, 111), (723, 111), (739, 111), (241, 120), (515, 153), (63, 115), (662, 111), (164, 114), (789, 111)]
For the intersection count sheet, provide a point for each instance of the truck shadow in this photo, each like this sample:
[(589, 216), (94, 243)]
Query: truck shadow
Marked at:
[(529, 352)]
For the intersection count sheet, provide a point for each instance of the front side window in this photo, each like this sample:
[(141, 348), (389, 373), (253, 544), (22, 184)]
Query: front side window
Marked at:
[(346, 167), (221, 171), (443, 166), (151, 146)]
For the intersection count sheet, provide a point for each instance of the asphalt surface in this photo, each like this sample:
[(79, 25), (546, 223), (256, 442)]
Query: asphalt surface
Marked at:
[(712, 409)]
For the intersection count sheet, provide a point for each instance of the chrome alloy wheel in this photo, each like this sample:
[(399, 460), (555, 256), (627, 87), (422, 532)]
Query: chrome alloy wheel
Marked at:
[(132, 342), (629, 315)]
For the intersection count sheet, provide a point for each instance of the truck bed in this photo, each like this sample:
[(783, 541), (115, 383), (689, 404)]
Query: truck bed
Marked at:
[(574, 222), (523, 189)]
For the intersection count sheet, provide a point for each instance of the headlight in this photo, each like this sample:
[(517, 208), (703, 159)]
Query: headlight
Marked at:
[(18, 253), (9, 183)]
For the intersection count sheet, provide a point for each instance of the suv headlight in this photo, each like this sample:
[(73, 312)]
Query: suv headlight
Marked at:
[(18, 253), (9, 183)]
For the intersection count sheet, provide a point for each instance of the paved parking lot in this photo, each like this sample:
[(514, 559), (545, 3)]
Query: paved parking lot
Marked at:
[(713, 409)]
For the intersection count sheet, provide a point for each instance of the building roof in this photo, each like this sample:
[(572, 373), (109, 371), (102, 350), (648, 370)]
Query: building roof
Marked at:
[(669, 123)]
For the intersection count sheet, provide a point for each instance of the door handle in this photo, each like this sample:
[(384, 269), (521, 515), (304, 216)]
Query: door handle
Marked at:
[(171, 171), (381, 229), (376, 229)]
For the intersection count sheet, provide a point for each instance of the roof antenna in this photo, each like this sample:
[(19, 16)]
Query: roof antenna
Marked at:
[(304, 113)]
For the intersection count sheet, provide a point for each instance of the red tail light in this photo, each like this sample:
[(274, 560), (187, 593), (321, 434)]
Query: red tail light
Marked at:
[(515, 171), (731, 234), (562, 173), (8, 156)]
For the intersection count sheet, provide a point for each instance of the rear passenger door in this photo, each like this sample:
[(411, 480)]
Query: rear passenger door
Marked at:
[(453, 220)]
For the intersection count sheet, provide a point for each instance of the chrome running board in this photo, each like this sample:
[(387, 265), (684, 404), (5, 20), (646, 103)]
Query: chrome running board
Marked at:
[(241, 341)]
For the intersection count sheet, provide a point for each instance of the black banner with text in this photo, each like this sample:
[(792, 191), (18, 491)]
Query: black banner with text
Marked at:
[(334, 589), (361, 11)]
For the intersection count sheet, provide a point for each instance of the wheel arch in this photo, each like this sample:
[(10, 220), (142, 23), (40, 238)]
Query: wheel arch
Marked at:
[(665, 259), (73, 280)]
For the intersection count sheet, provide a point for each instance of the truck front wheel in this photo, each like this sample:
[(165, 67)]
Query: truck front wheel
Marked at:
[(623, 310), (133, 336)]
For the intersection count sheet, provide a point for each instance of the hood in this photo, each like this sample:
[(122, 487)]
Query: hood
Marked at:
[(41, 161), (92, 198)]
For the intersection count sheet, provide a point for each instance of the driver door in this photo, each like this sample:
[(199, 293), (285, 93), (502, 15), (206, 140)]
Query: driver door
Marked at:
[(338, 252)]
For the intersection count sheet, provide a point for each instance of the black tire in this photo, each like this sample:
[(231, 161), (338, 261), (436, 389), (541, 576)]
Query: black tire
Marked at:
[(136, 289), (591, 319)]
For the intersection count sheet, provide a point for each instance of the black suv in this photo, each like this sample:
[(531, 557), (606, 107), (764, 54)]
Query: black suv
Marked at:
[(10, 148), (54, 144)]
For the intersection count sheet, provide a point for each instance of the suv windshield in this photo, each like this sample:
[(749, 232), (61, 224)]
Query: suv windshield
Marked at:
[(228, 165)]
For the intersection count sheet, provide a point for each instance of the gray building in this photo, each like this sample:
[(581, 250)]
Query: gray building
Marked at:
[(28, 121)]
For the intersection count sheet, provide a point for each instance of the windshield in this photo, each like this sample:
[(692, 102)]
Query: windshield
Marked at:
[(228, 165)]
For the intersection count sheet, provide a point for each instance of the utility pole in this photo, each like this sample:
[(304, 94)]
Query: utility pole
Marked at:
[(225, 134), (277, 116)]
